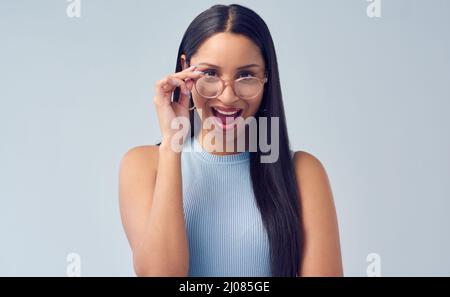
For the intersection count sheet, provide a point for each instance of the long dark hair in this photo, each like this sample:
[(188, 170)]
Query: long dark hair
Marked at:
[(274, 184)]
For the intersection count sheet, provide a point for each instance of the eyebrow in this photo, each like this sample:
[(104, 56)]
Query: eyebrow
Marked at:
[(218, 67)]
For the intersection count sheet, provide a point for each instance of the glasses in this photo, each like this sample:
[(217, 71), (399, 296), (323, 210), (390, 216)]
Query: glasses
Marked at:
[(247, 88)]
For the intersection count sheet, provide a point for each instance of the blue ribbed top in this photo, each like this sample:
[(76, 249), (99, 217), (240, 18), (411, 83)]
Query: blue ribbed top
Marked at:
[(225, 231)]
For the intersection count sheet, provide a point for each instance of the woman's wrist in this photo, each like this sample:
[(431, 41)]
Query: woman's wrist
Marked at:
[(168, 146)]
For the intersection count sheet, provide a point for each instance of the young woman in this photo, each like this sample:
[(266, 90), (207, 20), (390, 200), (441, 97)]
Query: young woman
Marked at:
[(216, 212)]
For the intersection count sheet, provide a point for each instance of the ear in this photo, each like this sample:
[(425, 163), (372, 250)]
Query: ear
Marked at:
[(184, 65)]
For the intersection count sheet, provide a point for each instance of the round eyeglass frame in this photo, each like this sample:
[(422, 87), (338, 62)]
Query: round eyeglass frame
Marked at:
[(224, 83)]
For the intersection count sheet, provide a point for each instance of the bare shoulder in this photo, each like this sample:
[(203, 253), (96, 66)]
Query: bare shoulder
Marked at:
[(321, 254), (137, 171), (142, 152), (310, 169), (142, 157), (314, 185)]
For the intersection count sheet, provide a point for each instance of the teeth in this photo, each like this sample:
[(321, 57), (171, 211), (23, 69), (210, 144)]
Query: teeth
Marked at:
[(226, 112)]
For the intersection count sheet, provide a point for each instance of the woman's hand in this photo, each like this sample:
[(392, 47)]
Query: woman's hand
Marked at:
[(169, 111)]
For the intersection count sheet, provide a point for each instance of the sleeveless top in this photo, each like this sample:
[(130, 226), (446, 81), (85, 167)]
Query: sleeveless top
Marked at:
[(224, 226)]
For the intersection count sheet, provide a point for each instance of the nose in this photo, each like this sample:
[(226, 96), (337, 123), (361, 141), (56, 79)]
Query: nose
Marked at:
[(228, 96)]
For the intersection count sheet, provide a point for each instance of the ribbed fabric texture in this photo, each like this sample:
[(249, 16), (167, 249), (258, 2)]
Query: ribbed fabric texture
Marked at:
[(224, 226)]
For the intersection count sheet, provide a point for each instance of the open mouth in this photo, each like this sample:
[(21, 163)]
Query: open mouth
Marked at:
[(226, 116), (224, 113)]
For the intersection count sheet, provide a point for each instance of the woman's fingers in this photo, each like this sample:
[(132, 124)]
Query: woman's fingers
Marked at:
[(185, 97), (181, 84), (186, 75), (189, 76), (183, 79), (164, 89)]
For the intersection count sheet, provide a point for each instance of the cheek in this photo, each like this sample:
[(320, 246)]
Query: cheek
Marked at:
[(198, 101), (253, 106), (201, 104)]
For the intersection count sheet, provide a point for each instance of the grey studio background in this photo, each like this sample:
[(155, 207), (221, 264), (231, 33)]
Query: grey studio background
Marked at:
[(368, 96)]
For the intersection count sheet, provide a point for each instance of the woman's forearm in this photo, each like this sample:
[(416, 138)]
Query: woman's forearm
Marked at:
[(163, 249)]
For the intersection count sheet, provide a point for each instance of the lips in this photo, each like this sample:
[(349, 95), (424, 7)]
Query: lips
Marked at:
[(221, 112), (227, 116)]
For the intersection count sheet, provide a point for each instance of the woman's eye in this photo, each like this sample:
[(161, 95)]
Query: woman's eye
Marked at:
[(212, 72), (246, 74), (209, 72)]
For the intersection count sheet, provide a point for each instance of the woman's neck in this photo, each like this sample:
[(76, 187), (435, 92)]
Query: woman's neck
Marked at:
[(210, 141)]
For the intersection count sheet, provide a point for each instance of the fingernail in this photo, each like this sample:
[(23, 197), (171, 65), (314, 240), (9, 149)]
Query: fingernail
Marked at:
[(198, 72)]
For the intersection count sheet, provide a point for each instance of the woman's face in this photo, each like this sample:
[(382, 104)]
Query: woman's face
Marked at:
[(227, 56)]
